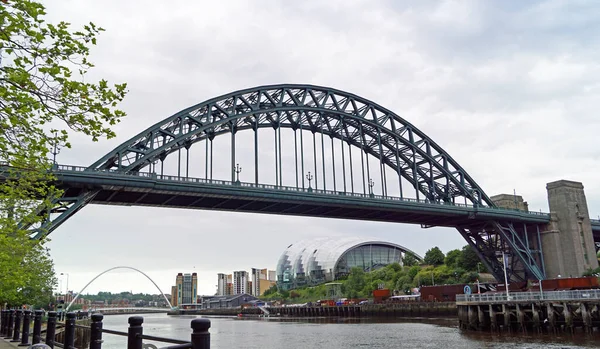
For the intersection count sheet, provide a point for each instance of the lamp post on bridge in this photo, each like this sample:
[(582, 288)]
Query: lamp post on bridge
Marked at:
[(371, 184), (310, 177), (237, 169)]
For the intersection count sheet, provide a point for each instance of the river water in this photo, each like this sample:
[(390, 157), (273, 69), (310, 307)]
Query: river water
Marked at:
[(276, 333)]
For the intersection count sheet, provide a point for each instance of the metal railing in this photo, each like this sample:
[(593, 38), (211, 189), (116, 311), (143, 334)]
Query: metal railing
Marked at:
[(10, 328), (171, 178), (529, 296)]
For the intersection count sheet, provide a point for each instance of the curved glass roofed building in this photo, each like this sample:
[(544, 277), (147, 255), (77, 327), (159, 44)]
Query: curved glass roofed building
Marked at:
[(314, 261)]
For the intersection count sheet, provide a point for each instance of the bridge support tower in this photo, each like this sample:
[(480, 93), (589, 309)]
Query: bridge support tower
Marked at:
[(568, 243)]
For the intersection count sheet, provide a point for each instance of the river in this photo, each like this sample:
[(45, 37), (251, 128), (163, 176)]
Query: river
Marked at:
[(276, 333)]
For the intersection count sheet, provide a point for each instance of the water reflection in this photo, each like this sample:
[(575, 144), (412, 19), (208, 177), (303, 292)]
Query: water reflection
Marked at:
[(334, 333)]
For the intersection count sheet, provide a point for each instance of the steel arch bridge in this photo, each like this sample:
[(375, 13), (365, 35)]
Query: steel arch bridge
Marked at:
[(418, 182)]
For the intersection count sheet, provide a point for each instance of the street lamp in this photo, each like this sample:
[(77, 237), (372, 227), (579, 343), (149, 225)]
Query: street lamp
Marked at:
[(67, 290), (309, 176), (371, 184), (237, 169)]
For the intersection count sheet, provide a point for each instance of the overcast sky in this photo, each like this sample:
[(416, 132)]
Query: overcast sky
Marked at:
[(510, 89)]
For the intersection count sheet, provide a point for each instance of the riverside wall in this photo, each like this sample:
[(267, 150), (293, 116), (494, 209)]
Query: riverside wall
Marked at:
[(408, 309)]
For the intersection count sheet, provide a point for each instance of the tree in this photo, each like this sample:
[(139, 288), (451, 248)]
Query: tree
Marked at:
[(409, 260), (434, 256), (43, 97), (356, 282), (469, 259), (453, 258)]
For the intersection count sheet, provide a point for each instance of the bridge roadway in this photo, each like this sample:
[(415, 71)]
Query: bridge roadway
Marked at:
[(129, 310), (144, 189)]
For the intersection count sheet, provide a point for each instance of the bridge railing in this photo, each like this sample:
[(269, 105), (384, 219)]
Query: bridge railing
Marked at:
[(71, 168), (529, 296), (10, 325)]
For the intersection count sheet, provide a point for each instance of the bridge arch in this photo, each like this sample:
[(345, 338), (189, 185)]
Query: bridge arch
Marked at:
[(119, 267), (357, 123), (354, 120)]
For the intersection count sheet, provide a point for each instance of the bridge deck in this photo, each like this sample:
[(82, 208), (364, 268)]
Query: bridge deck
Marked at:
[(143, 189)]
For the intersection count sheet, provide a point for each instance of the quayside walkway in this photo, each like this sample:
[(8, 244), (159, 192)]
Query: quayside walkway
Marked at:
[(6, 344)]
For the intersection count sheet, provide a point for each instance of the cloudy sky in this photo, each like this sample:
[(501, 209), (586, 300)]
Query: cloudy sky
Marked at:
[(509, 88)]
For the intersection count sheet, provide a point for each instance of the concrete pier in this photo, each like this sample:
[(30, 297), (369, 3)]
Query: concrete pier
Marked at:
[(568, 243)]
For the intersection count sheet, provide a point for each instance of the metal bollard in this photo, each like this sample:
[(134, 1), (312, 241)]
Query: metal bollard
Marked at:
[(96, 329), (17, 329), (37, 326), (26, 324), (51, 329), (10, 324), (135, 331), (200, 334), (3, 324), (70, 331)]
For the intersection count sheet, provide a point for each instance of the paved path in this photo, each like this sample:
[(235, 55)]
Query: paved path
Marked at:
[(6, 344)]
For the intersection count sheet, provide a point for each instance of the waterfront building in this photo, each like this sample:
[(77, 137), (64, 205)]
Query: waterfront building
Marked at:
[(174, 300), (187, 288), (221, 284), (235, 301), (319, 260), (260, 281), (240, 282), (272, 275)]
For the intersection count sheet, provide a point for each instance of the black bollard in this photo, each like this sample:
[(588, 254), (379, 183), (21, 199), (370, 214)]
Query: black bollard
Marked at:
[(200, 334), (17, 329), (3, 325), (70, 331), (26, 324), (5, 315), (37, 326), (9, 326), (134, 333), (51, 329), (96, 329)]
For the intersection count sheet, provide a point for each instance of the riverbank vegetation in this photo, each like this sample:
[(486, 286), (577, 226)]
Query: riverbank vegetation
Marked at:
[(437, 268)]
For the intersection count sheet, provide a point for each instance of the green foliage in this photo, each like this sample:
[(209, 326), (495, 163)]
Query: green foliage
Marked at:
[(43, 96), (469, 259), (409, 260), (355, 285), (453, 258), (434, 256)]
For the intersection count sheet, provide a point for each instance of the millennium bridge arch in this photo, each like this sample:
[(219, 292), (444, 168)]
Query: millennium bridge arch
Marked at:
[(418, 182), (114, 268)]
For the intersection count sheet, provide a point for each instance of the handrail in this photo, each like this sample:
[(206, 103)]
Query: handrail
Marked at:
[(172, 178), (530, 296), (143, 336)]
